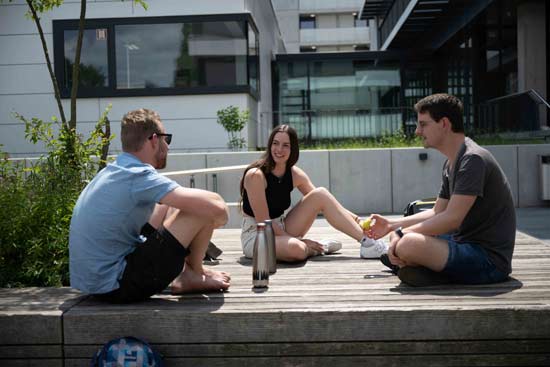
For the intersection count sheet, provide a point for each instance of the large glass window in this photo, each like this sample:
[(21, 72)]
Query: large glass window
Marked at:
[(339, 98), (176, 55), (93, 58), (253, 60), (151, 56)]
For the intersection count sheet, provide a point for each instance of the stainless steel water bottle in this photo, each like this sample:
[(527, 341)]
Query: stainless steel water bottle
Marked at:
[(260, 265), (271, 251)]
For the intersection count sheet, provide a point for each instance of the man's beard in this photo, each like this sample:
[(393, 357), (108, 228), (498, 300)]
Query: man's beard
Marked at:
[(161, 160)]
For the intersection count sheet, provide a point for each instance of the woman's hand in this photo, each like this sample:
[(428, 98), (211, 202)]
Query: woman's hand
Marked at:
[(313, 245)]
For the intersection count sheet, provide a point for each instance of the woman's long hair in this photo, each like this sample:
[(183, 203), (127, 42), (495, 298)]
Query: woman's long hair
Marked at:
[(266, 162)]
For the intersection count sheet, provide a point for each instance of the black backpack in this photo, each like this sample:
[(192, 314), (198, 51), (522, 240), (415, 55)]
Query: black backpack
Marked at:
[(418, 205)]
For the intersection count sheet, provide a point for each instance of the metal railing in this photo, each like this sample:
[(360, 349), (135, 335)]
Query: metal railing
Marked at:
[(314, 125), (213, 170), (523, 111)]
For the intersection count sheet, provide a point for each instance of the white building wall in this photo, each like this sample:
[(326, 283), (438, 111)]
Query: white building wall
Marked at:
[(335, 26), (25, 86)]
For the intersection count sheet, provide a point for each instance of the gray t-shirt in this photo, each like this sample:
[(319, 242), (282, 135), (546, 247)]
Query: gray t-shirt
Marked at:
[(491, 222)]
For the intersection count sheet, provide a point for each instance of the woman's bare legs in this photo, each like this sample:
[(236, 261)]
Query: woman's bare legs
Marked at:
[(294, 249), (300, 219), (320, 200)]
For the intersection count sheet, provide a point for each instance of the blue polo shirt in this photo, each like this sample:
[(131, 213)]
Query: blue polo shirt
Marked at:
[(107, 220)]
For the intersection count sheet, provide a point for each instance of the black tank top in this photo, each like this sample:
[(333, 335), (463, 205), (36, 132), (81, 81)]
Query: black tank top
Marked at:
[(277, 194)]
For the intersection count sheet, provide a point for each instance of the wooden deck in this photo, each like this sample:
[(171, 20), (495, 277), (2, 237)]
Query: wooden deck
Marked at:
[(335, 310)]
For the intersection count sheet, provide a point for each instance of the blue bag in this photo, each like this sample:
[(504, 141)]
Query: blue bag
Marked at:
[(127, 352)]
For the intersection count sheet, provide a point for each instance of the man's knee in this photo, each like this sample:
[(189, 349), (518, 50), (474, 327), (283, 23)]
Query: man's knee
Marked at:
[(409, 246)]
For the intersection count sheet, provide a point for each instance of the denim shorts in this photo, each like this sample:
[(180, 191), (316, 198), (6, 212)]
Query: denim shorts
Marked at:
[(470, 264)]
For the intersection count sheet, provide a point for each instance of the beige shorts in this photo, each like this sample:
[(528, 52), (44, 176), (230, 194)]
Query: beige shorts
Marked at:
[(248, 233)]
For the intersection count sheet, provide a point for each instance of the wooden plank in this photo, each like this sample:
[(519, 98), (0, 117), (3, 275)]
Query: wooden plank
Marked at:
[(34, 362), (500, 360), (26, 351), (33, 315), (158, 326), (355, 348)]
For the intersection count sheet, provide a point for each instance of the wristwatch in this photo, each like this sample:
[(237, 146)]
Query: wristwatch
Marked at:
[(399, 232)]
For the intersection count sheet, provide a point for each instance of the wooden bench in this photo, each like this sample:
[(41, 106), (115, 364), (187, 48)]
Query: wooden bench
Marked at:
[(335, 310)]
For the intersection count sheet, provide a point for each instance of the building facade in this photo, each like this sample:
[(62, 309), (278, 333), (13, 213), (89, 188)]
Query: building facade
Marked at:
[(493, 54), (322, 26), (186, 62)]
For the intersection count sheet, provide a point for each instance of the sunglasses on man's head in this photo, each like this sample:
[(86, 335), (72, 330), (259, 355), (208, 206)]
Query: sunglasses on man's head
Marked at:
[(167, 137)]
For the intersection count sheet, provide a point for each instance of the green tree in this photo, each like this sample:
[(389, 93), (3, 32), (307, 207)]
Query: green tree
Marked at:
[(233, 121), (37, 200)]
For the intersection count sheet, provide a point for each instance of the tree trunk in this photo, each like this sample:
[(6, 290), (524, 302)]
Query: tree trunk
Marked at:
[(49, 64), (106, 143), (76, 64)]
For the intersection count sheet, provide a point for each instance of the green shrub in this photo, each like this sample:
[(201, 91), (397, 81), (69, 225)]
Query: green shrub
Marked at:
[(233, 121), (37, 203)]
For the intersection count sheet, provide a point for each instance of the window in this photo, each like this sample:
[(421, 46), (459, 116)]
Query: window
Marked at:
[(307, 21), (93, 58), (253, 60), (160, 56), (358, 23)]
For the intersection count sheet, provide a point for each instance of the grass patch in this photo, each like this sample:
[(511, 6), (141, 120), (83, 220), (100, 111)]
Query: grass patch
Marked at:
[(400, 140)]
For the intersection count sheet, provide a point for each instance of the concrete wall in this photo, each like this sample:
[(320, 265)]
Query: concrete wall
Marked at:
[(368, 180), (376, 180), (25, 86)]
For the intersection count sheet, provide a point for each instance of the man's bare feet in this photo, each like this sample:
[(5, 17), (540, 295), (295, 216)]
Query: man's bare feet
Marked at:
[(189, 282), (217, 274)]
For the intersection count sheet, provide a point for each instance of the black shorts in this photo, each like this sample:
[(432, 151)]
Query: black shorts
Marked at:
[(150, 268)]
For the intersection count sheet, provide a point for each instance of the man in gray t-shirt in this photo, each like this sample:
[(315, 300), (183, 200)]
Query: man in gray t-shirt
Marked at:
[(468, 237)]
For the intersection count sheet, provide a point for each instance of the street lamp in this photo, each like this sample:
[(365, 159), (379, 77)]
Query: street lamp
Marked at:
[(129, 47)]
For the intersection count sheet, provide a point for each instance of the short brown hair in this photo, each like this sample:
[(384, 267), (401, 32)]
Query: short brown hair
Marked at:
[(443, 105), (136, 127)]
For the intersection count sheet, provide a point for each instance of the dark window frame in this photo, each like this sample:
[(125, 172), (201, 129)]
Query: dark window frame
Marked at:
[(59, 26)]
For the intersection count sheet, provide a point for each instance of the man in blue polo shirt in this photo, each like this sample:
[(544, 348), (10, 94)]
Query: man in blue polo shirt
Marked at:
[(134, 231)]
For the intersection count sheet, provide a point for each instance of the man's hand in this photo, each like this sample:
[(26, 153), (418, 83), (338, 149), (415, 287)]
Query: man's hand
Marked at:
[(380, 226), (392, 255)]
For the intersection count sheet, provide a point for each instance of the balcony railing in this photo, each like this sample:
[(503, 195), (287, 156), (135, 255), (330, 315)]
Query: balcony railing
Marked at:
[(524, 111), (321, 6), (334, 36), (314, 125)]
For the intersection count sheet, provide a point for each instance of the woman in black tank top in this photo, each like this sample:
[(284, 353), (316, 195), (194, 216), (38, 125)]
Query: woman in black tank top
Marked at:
[(266, 188)]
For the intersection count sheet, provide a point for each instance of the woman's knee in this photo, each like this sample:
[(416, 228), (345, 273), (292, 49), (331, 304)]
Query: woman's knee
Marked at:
[(319, 193), (295, 251)]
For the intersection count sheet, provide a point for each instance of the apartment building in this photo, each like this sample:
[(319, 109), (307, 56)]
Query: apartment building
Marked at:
[(322, 26)]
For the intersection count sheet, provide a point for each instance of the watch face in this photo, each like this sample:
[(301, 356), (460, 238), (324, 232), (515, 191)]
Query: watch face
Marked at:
[(399, 232)]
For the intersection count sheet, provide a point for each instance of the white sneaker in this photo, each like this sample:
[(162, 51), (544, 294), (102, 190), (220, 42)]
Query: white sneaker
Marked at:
[(372, 249), (330, 246)]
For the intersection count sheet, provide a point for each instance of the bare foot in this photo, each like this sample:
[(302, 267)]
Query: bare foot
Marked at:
[(189, 281), (217, 274)]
